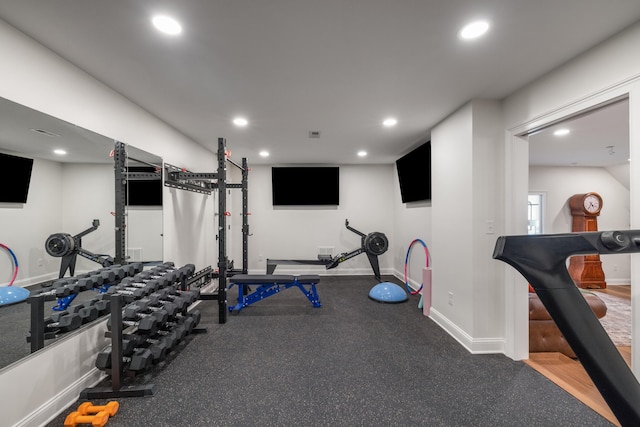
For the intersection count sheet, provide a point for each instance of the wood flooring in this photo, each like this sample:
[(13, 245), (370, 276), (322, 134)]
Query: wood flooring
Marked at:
[(569, 374)]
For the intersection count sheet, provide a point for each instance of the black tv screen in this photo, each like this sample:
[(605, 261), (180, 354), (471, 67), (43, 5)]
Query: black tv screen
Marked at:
[(144, 192), (17, 171), (305, 186), (414, 174)]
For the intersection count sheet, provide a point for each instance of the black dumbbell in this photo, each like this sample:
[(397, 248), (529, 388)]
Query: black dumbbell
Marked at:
[(108, 276), (196, 316), (87, 283), (97, 279), (183, 325), (163, 295), (86, 313), (89, 313), (134, 292), (63, 282), (102, 305), (140, 359), (135, 312), (189, 296), (63, 321), (119, 272), (189, 269), (155, 302), (177, 328), (158, 345), (170, 338), (151, 284), (146, 325), (134, 268)]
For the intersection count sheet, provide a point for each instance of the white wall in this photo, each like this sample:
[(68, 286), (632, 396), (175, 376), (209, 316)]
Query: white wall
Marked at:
[(466, 217), (452, 210), (87, 194), (41, 216), (37, 78), (560, 183), (297, 233), (144, 233)]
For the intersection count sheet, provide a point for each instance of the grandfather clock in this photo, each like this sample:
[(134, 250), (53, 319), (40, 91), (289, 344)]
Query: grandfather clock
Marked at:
[(586, 270)]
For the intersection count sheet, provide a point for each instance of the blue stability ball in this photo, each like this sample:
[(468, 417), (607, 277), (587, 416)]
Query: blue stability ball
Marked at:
[(388, 292)]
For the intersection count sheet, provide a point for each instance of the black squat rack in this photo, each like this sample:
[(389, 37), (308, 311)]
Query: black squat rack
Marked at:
[(207, 183)]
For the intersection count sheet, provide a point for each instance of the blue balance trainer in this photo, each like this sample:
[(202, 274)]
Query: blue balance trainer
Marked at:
[(388, 292)]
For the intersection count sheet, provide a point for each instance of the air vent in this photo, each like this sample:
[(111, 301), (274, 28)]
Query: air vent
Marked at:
[(46, 132), (314, 134)]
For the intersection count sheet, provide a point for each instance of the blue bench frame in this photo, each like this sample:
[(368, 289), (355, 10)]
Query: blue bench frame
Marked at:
[(271, 284)]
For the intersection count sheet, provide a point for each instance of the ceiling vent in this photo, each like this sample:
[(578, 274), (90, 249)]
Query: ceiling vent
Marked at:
[(314, 134), (46, 132)]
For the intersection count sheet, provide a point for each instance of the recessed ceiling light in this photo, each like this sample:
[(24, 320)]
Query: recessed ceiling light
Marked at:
[(362, 153), (60, 152), (562, 132), (167, 25), (390, 122), (240, 122), (264, 153), (474, 30)]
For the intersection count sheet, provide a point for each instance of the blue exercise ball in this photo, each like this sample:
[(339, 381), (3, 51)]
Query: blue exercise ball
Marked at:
[(388, 292)]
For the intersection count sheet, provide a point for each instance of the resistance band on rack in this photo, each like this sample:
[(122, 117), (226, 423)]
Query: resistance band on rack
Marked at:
[(406, 264), (15, 263)]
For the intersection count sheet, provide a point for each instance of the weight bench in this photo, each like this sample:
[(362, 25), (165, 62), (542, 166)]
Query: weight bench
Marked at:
[(271, 284)]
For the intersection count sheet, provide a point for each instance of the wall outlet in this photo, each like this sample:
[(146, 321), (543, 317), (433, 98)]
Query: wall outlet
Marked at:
[(451, 298), (260, 258), (326, 250), (490, 227), (40, 263)]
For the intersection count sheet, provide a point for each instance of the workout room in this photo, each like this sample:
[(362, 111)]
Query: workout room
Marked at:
[(303, 214)]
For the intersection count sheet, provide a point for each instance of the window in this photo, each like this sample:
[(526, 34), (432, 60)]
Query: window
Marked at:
[(535, 213)]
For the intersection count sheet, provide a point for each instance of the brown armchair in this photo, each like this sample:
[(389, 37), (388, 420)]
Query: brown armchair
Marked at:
[(544, 335)]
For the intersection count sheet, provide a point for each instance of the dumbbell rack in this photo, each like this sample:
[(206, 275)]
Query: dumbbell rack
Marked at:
[(117, 367), (38, 331)]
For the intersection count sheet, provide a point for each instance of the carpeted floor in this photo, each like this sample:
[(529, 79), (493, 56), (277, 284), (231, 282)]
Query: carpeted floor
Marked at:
[(353, 362), (617, 321)]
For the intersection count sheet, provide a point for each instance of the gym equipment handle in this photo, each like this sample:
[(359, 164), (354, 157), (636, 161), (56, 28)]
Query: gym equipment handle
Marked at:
[(541, 259)]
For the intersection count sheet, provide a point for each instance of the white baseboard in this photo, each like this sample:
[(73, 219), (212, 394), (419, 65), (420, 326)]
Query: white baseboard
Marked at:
[(615, 282), (473, 345)]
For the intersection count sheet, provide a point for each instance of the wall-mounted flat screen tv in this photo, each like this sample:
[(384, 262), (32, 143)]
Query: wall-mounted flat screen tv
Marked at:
[(17, 173), (144, 192), (414, 174), (305, 186)]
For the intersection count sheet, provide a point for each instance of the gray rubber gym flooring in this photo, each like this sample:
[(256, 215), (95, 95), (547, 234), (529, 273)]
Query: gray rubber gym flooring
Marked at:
[(353, 362)]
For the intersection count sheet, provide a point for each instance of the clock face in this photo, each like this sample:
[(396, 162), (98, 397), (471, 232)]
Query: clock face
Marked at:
[(592, 203)]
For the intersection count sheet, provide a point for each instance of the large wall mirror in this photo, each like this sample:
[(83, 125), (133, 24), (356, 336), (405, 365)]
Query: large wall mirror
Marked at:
[(65, 193)]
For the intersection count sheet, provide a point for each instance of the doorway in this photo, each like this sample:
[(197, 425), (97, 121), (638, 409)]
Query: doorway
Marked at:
[(587, 152)]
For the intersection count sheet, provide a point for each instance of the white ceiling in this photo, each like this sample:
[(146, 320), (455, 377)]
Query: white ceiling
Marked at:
[(334, 66), (596, 138)]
